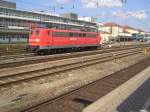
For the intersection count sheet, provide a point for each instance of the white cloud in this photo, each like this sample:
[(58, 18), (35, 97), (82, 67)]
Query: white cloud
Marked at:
[(62, 1), (141, 14), (120, 14), (103, 15), (101, 3)]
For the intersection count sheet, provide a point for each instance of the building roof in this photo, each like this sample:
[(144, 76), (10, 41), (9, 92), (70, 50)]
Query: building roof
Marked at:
[(111, 24), (140, 30), (136, 29), (125, 31), (129, 27)]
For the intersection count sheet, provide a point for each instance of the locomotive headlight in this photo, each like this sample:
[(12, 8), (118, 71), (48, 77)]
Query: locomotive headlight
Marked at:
[(37, 40)]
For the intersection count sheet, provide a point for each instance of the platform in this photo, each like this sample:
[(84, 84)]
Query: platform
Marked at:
[(132, 96), (139, 101)]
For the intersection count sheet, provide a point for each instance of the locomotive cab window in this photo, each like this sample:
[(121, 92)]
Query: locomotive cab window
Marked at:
[(37, 33), (31, 33)]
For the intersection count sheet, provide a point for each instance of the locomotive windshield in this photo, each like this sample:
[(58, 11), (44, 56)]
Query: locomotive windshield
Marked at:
[(37, 33)]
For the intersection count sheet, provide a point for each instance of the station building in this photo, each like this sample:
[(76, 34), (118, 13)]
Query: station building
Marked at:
[(15, 25), (114, 32)]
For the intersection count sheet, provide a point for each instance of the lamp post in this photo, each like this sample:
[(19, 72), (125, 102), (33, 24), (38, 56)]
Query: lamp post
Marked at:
[(125, 23)]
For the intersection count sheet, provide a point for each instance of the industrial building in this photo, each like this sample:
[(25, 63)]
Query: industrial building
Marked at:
[(15, 25)]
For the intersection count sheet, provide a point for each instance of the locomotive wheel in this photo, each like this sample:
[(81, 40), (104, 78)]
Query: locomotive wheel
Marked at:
[(40, 52)]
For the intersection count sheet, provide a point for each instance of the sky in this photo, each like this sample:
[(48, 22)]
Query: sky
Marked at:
[(135, 13)]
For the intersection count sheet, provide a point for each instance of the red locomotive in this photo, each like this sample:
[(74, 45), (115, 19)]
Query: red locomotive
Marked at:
[(44, 40)]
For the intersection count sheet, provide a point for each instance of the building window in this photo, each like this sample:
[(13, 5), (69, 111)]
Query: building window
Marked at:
[(18, 37), (3, 37)]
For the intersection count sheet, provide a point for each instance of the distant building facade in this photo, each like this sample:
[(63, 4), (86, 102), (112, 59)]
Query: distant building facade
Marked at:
[(105, 37), (138, 34), (114, 32), (89, 19), (15, 25), (131, 30), (70, 15), (7, 4)]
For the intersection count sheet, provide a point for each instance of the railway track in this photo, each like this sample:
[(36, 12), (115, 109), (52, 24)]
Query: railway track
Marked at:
[(15, 56), (77, 100), (19, 74), (11, 51), (24, 74), (39, 59)]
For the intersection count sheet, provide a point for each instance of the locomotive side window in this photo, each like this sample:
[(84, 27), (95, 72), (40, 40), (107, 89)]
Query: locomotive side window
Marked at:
[(74, 34), (71, 34), (56, 34), (84, 34), (48, 33), (60, 34), (80, 34), (65, 34), (91, 35)]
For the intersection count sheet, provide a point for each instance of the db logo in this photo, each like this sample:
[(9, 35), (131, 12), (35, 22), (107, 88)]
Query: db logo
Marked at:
[(73, 38)]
